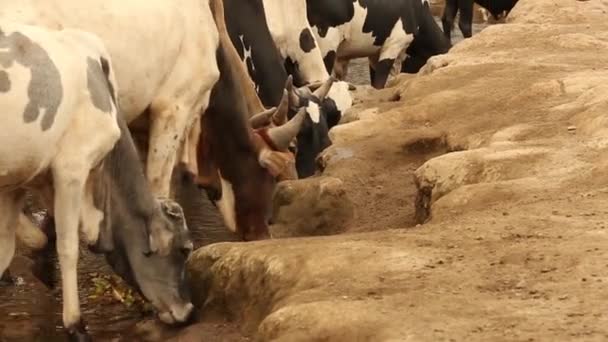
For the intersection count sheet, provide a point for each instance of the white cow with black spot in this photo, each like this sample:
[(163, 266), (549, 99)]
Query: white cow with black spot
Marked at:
[(164, 58), (58, 122)]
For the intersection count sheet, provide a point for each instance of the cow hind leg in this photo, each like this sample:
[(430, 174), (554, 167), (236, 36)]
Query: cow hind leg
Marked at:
[(10, 206), (447, 19), (69, 181), (393, 48), (465, 22), (340, 70), (168, 129), (380, 73)]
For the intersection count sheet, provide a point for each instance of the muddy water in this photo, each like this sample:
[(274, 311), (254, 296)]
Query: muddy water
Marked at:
[(31, 312)]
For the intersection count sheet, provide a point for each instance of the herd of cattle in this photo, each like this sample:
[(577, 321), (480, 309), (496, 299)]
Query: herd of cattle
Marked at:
[(232, 89)]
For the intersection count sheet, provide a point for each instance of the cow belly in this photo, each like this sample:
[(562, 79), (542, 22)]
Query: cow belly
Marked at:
[(16, 174), (358, 48)]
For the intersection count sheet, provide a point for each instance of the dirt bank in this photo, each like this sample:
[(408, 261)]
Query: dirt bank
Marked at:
[(501, 148)]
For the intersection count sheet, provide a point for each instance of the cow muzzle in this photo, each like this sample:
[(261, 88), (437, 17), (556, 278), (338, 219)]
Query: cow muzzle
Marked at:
[(178, 313)]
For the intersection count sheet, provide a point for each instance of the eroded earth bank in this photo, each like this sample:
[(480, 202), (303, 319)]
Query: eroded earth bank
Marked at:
[(468, 202)]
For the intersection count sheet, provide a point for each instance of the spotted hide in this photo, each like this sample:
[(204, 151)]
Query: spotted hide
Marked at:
[(172, 83), (381, 30)]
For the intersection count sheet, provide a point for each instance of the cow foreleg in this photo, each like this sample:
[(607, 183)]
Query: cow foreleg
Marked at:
[(379, 74), (340, 70), (10, 206), (465, 23), (393, 49), (69, 180), (447, 19)]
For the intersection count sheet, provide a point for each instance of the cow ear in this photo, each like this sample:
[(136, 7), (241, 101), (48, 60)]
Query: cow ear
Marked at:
[(278, 164), (173, 210), (160, 231)]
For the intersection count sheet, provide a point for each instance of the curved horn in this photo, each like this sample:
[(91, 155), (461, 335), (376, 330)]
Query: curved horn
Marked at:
[(315, 86), (281, 136), (322, 92), (280, 116), (262, 119), (289, 83), (294, 99)]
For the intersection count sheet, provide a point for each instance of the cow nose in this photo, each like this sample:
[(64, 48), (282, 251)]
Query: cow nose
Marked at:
[(187, 249), (182, 313)]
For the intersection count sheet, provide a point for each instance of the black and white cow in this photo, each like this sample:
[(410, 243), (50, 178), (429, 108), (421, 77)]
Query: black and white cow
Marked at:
[(248, 29), (381, 30), (64, 139), (428, 42), (292, 35), (498, 9)]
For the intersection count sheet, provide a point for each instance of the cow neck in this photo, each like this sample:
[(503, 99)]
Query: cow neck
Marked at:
[(270, 74), (129, 187), (225, 123)]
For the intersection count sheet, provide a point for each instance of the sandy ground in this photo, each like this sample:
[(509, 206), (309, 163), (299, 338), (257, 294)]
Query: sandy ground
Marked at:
[(480, 202)]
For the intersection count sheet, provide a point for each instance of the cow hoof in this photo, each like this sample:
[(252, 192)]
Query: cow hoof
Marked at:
[(7, 280), (78, 333)]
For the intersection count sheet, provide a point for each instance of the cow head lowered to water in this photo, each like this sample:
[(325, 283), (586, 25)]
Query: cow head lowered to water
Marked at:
[(145, 240), (313, 138), (241, 164), (248, 27)]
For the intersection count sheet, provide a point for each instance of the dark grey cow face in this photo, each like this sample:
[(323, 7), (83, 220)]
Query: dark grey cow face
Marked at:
[(161, 278), (145, 240)]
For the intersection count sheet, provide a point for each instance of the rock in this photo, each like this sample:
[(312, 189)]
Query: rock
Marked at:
[(366, 114), (310, 207), (302, 289), (150, 330)]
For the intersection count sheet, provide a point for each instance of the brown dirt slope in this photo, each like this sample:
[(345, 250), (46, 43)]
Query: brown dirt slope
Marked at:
[(515, 243)]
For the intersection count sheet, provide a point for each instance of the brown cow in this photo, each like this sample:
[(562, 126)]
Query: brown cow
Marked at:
[(245, 162)]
